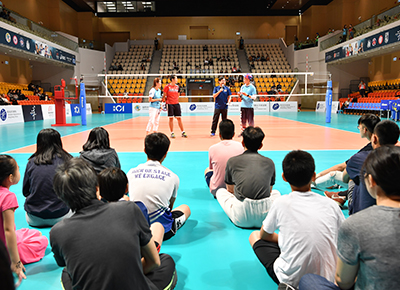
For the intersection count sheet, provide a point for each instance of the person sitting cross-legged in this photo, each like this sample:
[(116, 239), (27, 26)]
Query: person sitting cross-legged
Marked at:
[(101, 246), (308, 226), (157, 186), (368, 244), (219, 154)]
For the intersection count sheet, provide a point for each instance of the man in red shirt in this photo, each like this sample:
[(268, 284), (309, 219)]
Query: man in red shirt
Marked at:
[(171, 97)]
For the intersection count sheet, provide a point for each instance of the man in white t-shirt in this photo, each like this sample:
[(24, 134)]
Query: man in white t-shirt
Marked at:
[(157, 186), (308, 226), (219, 154)]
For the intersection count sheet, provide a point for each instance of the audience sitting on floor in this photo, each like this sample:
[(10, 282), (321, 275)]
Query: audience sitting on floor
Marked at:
[(367, 246), (242, 180), (116, 247), (219, 154), (249, 179), (97, 151), (24, 246), (113, 187), (333, 176), (308, 226), (43, 208), (385, 133), (157, 186)]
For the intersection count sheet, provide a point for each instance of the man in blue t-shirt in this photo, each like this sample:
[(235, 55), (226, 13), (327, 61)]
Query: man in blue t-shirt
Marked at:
[(222, 96), (248, 94)]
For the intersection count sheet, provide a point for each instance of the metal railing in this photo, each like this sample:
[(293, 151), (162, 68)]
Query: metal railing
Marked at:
[(35, 28), (366, 26)]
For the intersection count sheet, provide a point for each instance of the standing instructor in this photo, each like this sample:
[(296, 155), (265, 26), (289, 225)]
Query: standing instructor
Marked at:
[(171, 98), (221, 97)]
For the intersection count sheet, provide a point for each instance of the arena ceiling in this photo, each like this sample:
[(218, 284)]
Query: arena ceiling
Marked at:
[(165, 8)]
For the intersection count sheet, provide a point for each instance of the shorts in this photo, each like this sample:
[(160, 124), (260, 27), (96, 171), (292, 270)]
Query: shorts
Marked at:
[(267, 253), (179, 220), (174, 110), (208, 176)]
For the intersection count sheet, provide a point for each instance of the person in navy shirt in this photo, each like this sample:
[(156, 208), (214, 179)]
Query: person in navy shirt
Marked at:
[(222, 96), (248, 94), (385, 133)]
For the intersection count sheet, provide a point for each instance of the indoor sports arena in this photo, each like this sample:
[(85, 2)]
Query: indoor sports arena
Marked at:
[(201, 111)]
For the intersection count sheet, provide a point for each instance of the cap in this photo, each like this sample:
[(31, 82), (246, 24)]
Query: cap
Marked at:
[(248, 76)]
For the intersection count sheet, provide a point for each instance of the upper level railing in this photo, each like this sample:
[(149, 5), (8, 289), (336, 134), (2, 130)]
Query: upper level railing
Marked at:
[(366, 26), (13, 18)]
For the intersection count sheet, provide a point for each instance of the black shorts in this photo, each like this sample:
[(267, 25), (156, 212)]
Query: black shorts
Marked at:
[(174, 110), (267, 253), (179, 220)]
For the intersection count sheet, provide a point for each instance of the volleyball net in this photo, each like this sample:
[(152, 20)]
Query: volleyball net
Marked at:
[(198, 86)]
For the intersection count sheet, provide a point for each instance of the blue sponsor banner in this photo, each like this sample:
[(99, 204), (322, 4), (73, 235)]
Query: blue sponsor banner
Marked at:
[(16, 40), (75, 110), (118, 108), (377, 40)]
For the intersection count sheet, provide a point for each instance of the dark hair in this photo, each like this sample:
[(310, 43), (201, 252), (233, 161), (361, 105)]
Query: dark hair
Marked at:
[(156, 80), (112, 183), (252, 138), (387, 132), (227, 129), (98, 139), (156, 145), (75, 183), (369, 121), (383, 164), (8, 166), (298, 167), (48, 146), (171, 77), (221, 78)]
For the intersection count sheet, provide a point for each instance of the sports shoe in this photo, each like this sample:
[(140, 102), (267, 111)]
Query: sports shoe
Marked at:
[(172, 135), (184, 135), (284, 286), (212, 134), (340, 200), (173, 282)]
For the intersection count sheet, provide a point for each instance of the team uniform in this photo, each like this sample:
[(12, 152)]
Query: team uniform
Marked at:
[(221, 106), (172, 100), (154, 110), (246, 106)]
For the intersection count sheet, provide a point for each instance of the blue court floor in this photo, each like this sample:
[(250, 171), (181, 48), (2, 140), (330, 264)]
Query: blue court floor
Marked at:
[(209, 251)]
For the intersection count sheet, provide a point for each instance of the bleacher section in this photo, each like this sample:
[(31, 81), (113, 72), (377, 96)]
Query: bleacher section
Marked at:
[(135, 61), (221, 58), (274, 61), (191, 58), (32, 100)]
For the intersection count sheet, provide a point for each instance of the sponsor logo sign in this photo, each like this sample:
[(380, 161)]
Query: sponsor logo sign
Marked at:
[(11, 114), (111, 108)]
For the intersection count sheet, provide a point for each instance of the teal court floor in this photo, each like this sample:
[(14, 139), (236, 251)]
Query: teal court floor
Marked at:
[(209, 251)]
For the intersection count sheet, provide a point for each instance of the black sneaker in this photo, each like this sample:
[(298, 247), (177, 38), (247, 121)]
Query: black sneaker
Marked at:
[(173, 282), (284, 286)]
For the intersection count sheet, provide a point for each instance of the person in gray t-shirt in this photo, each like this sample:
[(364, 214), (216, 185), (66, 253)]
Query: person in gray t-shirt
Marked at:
[(368, 251), (249, 179)]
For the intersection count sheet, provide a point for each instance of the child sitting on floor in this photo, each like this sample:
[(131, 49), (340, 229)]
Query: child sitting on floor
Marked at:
[(113, 186), (308, 226), (25, 245)]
